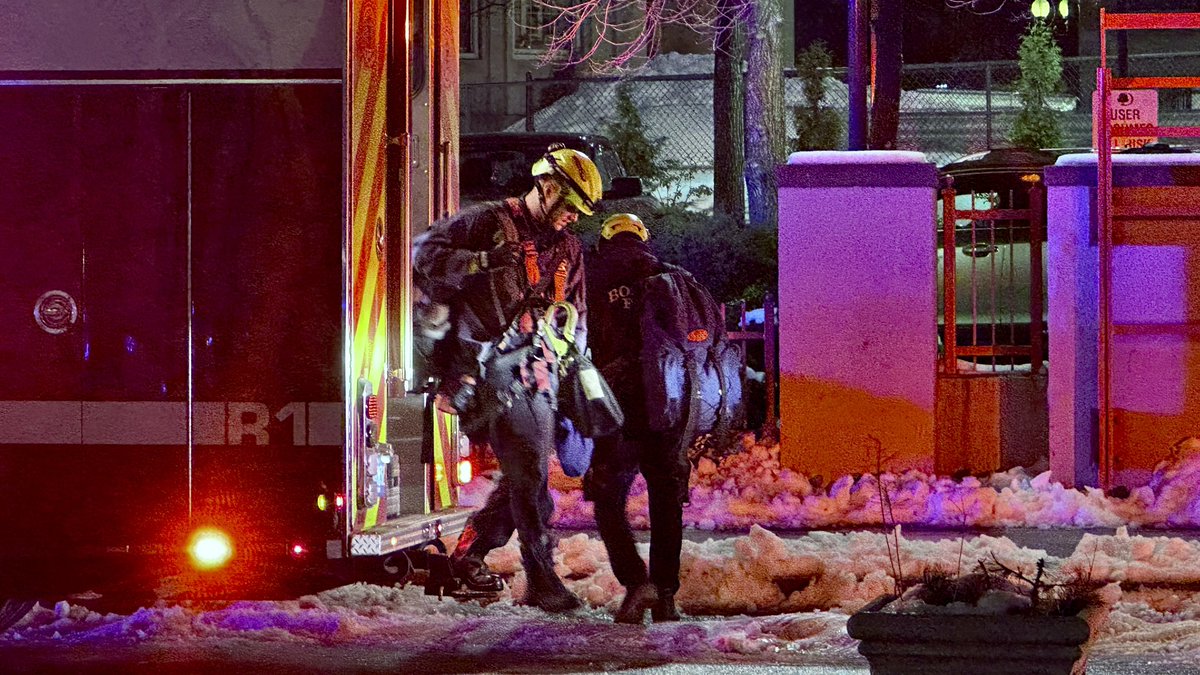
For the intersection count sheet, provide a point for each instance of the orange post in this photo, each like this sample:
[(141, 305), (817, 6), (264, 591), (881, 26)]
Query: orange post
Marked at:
[(949, 280)]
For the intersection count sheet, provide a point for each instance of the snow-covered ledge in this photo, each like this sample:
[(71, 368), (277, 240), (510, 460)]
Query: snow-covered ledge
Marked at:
[(1155, 302), (857, 310)]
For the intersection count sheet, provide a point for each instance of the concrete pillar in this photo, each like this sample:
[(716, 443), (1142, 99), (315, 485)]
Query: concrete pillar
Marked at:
[(1155, 307), (857, 311)]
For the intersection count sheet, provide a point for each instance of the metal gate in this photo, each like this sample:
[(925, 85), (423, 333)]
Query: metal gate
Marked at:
[(992, 278)]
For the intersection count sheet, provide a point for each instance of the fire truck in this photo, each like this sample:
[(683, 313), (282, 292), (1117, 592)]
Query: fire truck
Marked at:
[(208, 376)]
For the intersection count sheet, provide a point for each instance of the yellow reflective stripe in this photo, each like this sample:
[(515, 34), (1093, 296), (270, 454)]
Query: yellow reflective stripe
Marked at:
[(442, 442)]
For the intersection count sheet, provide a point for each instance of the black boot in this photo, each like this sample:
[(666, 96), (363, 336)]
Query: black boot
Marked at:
[(475, 576), (664, 609), (637, 601), (550, 595)]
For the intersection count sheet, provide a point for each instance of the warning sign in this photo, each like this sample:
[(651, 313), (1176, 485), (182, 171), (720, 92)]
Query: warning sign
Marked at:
[(1129, 108)]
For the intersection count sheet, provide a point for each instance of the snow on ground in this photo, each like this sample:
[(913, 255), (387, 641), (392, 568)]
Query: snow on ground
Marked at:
[(754, 596), (751, 595)]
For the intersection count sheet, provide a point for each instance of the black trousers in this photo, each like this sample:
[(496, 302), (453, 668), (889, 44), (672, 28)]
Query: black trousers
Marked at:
[(615, 463), (522, 439)]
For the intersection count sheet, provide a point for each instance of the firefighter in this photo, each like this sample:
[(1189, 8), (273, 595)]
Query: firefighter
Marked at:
[(498, 265), (623, 260)]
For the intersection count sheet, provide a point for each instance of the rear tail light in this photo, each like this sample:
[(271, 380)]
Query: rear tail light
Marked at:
[(465, 472), (298, 550)]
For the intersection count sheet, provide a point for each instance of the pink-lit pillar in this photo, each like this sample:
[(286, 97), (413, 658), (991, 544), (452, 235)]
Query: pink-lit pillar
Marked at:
[(857, 311), (1155, 307)]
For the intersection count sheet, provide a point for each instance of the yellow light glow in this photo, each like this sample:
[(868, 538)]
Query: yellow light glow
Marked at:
[(464, 472), (322, 502), (1040, 8), (210, 548), (1064, 8)]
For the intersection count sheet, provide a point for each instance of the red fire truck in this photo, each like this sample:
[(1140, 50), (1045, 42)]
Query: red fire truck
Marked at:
[(207, 362)]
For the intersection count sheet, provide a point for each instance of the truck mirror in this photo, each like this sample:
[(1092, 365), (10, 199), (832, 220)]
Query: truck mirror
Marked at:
[(624, 187)]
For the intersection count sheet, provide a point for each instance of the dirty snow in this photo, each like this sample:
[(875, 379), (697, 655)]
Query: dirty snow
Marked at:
[(753, 594), (756, 594), (752, 488)]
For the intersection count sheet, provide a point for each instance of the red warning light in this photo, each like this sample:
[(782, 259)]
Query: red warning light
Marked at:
[(298, 550), (340, 502)]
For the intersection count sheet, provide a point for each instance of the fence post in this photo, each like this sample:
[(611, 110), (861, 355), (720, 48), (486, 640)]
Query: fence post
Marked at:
[(529, 101), (1037, 231), (987, 92), (770, 366)]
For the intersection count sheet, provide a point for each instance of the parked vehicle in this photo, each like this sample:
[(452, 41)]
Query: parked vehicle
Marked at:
[(207, 372), (496, 165)]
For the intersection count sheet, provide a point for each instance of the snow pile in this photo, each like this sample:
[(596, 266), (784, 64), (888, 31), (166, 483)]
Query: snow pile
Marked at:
[(764, 595), (751, 487)]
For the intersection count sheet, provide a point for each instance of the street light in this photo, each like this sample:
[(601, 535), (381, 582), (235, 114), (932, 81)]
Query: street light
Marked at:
[(1041, 8), (1064, 8)]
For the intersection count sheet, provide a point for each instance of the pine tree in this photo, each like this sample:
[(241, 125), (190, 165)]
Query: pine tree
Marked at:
[(1040, 59), (817, 128)]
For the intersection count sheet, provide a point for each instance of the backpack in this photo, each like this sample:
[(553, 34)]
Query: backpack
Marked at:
[(691, 373)]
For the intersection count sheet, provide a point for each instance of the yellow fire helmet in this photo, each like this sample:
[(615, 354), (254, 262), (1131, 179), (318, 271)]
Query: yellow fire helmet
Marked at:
[(624, 222), (577, 173)]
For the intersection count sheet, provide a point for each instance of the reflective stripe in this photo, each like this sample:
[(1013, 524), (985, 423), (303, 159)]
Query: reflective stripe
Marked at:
[(165, 423), (40, 422)]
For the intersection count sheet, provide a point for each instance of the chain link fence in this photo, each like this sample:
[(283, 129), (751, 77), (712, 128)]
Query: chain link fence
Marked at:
[(946, 110)]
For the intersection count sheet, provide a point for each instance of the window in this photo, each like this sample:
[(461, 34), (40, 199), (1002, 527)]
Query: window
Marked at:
[(531, 29), (469, 46)]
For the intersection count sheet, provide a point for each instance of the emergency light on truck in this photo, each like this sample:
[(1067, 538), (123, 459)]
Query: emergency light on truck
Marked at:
[(210, 548)]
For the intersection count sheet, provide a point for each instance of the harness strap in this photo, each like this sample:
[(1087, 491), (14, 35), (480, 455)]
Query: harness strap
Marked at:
[(533, 275), (560, 281)]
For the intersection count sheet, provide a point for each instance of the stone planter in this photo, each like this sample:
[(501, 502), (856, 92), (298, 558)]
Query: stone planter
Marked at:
[(904, 643)]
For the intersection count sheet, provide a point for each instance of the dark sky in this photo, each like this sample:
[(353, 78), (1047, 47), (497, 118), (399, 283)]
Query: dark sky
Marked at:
[(933, 33)]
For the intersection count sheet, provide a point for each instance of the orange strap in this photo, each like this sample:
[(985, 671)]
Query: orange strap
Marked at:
[(560, 282), (533, 273)]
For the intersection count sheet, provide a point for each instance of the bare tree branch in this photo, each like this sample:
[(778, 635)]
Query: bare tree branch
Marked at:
[(613, 35)]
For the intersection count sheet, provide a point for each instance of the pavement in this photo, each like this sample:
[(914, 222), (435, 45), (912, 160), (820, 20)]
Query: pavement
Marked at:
[(1057, 542)]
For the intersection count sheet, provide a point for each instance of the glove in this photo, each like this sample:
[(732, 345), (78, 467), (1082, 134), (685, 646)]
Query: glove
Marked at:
[(506, 254), (464, 397)]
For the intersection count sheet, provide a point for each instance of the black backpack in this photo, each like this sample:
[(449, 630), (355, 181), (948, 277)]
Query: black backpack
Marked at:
[(691, 373)]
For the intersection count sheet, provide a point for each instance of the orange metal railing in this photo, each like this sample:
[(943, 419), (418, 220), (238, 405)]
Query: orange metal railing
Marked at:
[(955, 223)]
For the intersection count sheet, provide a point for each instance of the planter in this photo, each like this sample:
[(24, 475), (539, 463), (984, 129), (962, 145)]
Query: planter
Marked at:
[(902, 643)]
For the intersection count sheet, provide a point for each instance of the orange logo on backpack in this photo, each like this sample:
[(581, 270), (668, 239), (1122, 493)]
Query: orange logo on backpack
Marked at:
[(698, 335)]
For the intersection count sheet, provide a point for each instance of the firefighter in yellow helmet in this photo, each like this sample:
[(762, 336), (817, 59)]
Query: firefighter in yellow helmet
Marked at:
[(616, 281), (624, 222), (497, 266), (569, 175)]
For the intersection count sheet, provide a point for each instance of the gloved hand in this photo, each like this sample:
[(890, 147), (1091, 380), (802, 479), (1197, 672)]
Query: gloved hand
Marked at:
[(464, 396), (506, 254)]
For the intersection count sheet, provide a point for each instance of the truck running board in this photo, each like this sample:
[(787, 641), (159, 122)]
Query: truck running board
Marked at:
[(408, 531)]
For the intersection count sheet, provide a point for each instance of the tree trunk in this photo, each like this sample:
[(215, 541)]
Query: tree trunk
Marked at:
[(888, 21), (764, 110), (729, 157)]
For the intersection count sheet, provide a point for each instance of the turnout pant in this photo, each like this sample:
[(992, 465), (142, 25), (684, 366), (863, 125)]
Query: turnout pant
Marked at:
[(522, 439), (615, 463)]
